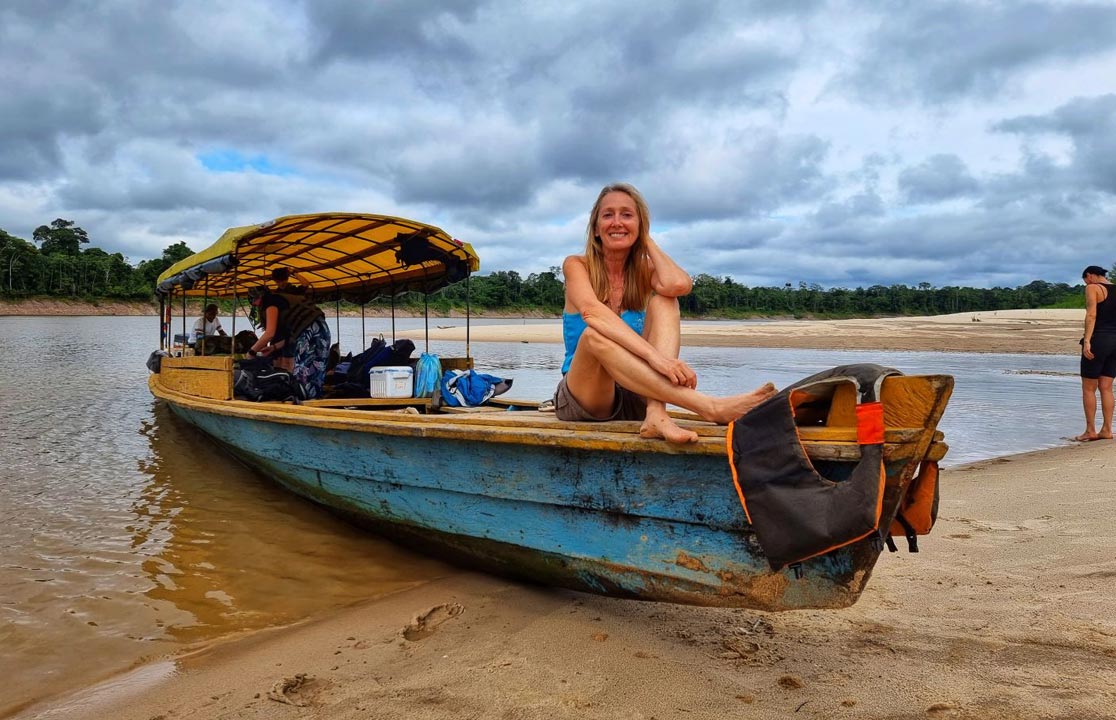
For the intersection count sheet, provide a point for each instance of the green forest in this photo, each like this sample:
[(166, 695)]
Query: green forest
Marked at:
[(60, 262)]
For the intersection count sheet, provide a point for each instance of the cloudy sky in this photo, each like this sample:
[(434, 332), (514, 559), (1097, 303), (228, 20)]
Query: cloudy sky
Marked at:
[(841, 143)]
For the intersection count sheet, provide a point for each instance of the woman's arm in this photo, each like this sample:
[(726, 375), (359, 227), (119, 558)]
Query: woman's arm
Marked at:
[(1092, 297), (581, 298), (667, 277), (271, 326)]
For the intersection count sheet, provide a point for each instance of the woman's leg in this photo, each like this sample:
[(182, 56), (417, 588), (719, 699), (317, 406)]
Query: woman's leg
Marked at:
[(1089, 404), (1108, 404), (599, 363), (663, 329)]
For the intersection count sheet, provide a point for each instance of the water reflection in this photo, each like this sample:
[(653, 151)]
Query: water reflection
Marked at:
[(229, 550)]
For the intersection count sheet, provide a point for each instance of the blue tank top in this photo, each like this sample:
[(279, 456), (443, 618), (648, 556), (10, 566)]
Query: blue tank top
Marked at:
[(573, 325)]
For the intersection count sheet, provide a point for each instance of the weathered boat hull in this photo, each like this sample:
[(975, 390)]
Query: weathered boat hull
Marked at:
[(634, 521)]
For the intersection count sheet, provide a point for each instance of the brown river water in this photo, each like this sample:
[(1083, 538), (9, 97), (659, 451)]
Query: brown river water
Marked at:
[(126, 535)]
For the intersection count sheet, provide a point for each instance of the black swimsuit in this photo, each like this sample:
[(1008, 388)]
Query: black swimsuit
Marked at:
[(1103, 342)]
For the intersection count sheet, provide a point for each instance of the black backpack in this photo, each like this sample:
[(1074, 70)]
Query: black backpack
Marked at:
[(263, 385)]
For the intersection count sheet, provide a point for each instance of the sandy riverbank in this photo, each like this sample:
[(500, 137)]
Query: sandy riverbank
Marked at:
[(1053, 332), (1008, 612)]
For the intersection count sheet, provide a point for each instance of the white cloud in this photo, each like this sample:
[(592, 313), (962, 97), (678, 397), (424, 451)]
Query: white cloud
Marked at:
[(834, 142)]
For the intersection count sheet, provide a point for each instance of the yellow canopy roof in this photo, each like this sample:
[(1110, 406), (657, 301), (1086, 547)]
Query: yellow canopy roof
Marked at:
[(354, 255)]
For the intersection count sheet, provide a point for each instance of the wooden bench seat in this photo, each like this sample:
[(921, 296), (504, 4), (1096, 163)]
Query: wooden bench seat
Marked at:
[(370, 403)]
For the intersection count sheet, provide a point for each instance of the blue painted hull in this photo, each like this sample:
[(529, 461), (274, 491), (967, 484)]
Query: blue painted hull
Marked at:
[(647, 525)]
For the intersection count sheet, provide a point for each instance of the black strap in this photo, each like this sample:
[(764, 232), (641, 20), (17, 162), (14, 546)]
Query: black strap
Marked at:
[(908, 529)]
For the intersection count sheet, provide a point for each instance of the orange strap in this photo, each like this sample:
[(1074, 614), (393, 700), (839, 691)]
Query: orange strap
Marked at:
[(869, 423), (732, 467)]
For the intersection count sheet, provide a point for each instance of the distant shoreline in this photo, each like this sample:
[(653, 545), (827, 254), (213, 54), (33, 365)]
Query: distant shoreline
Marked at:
[(1042, 332), (48, 307)]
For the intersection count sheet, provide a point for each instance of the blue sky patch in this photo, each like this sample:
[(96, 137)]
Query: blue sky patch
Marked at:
[(235, 161)]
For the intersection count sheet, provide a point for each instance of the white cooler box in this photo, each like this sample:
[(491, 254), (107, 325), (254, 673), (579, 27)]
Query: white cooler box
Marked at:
[(391, 381)]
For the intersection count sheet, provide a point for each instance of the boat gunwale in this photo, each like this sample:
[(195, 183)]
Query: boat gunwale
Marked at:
[(603, 436)]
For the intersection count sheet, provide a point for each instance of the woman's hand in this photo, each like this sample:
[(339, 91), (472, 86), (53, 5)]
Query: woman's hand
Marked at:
[(675, 370), (1087, 351)]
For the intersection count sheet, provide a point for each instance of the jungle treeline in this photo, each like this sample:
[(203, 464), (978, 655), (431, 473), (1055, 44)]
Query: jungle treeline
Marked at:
[(60, 262)]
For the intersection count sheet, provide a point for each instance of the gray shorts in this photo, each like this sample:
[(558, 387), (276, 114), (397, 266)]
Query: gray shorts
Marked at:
[(626, 406)]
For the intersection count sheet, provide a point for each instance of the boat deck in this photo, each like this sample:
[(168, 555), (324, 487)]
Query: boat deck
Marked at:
[(206, 384)]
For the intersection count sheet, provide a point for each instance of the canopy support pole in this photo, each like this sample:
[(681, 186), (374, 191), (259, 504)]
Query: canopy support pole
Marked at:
[(235, 308), (426, 317), (205, 304), (468, 316), (185, 339)]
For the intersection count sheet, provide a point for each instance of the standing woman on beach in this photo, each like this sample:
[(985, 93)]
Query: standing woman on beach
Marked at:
[(1098, 353), (622, 329)]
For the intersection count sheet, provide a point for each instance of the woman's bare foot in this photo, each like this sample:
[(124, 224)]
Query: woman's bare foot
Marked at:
[(663, 426), (1089, 437), (725, 410)]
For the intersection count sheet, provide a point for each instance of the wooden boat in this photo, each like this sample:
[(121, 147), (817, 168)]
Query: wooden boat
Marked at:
[(507, 487)]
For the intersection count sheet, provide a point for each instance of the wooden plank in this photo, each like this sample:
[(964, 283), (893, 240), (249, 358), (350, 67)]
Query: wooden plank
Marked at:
[(613, 436), (451, 363), (842, 408), (197, 362), (528, 419), (368, 402), (937, 451), (208, 377), (911, 400), (512, 402), (471, 410)]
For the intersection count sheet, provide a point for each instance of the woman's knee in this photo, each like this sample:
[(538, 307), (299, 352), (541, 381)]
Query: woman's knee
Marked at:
[(593, 341), (661, 305)]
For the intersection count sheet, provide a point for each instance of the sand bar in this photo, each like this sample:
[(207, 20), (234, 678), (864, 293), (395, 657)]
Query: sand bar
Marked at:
[(1008, 612), (1051, 332)]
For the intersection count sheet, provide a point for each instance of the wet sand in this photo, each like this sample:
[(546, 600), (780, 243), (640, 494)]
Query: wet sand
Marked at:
[(1008, 612)]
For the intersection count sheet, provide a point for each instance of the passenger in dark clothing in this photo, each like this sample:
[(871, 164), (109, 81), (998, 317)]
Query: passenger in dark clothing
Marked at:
[(282, 279), (296, 331), (1098, 353)]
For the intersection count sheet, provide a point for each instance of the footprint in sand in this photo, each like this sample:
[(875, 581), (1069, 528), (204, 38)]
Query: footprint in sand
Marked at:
[(424, 625), (298, 690)]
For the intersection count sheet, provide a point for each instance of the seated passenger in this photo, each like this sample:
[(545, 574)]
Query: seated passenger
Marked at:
[(282, 278), (208, 324)]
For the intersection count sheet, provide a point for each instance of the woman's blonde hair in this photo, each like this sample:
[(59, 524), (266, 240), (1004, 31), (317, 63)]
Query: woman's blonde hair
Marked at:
[(637, 272)]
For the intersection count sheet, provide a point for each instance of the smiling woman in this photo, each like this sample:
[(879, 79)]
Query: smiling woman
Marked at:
[(621, 326)]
